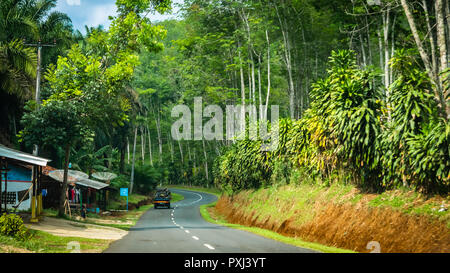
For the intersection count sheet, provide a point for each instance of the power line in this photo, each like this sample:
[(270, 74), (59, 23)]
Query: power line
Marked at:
[(39, 47)]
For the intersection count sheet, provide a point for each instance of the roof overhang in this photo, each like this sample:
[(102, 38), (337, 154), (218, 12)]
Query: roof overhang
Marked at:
[(23, 157), (92, 184)]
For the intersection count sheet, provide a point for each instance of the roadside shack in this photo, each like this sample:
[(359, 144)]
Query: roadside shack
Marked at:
[(20, 187), (90, 193), (93, 194)]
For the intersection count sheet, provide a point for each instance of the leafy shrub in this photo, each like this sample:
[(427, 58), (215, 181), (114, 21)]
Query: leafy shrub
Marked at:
[(146, 178), (414, 149), (12, 225)]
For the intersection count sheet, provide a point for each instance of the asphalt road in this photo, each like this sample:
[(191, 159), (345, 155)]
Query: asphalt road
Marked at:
[(182, 229)]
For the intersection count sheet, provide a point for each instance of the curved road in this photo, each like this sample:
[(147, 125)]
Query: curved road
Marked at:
[(182, 229)]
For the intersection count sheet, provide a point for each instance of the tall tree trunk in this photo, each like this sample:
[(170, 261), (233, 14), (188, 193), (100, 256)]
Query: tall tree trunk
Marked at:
[(158, 131), (128, 151), (150, 146), (142, 144), (241, 71), (420, 47), (447, 21), (206, 163), (369, 48), (391, 74), (259, 88), (133, 161), (268, 76), (440, 30), (189, 151), (431, 37), (169, 139), (386, 21), (288, 63), (380, 50), (442, 44), (363, 50), (180, 146)]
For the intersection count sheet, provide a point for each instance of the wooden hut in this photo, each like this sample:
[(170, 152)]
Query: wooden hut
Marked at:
[(19, 186)]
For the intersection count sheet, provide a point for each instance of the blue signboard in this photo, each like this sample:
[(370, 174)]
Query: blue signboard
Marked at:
[(123, 191)]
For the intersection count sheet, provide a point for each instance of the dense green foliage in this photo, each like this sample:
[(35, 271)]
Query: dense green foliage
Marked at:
[(361, 99), (24, 22), (349, 135)]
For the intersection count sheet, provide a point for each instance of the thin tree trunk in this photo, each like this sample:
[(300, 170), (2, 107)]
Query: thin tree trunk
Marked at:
[(189, 151), (363, 50), (142, 144), (391, 75), (206, 163), (241, 71), (447, 21), (133, 160), (150, 146), (417, 39), (380, 50), (440, 27), (158, 131), (368, 42), (287, 57), (259, 88), (268, 76), (180, 146), (431, 37), (128, 151), (442, 44), (386, 21)]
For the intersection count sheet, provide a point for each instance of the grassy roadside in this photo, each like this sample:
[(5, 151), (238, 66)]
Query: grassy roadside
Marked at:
[(214, 191), (341, 215), (44, 242), (207, 212)]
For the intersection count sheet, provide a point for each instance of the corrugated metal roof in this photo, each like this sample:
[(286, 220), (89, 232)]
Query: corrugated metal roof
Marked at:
[(92, 184), (21, 156)]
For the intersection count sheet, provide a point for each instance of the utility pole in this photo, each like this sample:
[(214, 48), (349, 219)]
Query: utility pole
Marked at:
[(36, 207), (39, 46)]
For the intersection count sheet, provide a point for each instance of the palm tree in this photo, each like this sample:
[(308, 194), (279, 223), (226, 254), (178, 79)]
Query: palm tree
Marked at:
[(26, 20), (17, 69)]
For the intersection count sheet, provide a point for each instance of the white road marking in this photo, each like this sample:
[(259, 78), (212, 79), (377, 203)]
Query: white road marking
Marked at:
[(208, 246), (198, 200), (201, 197), (187, 231), (195, 238)]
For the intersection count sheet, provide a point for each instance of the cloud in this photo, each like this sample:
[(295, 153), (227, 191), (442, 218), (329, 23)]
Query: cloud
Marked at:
[(98, 15), (73, 2)]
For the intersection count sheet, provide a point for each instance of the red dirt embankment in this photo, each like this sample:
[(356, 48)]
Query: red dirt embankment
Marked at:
[(343, 225)]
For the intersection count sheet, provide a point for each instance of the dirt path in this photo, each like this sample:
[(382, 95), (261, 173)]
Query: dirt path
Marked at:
[(65, 228)]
